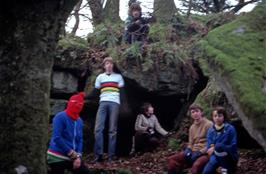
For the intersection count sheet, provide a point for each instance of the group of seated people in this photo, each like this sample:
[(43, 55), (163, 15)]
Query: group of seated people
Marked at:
[(212, 146)]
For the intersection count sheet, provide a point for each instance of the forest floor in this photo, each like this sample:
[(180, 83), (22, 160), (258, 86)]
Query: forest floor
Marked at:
[(252, 161)]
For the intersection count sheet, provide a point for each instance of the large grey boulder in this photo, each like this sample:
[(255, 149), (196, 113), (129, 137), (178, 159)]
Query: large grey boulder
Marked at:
[(64, 82)]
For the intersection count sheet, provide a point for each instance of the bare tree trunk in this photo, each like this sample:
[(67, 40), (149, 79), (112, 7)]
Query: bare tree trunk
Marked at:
[(189, 8), (29, 32), (96, 7), (111, 11), (76, 15), (218, 5), (164, 10)]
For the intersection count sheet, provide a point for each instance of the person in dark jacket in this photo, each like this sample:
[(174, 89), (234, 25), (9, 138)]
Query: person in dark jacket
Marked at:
[(221, 144), (136, 28), (65, 148)]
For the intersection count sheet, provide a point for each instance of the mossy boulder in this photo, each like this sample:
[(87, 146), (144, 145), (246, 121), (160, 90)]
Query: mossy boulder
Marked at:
[(235, 55), (213, 96)]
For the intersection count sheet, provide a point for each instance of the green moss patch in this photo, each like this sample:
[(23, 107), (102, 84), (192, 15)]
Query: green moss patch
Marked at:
[(237, 51)]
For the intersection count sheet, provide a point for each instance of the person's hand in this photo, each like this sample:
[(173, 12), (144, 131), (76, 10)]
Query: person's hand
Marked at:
[(137, 22), (187, 153), (72, 154), (169, 134), (195, 155), (76, 163), (210, 151), (150, 130)]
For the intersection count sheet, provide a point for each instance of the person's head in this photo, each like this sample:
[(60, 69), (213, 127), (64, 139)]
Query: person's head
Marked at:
[(219, 115), (108, 64), (75, 105), (134, 10), (196, 112), (147, 109)]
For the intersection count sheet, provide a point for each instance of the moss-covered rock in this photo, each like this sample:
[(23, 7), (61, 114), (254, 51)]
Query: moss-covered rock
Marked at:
[(235, 55), (213, 96)]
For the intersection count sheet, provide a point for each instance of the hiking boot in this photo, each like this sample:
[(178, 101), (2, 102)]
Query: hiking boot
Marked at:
[(98, 159), (112, 158)]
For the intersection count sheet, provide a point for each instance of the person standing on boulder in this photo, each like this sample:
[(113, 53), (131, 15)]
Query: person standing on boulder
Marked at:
[(65, 149), (109, 85)]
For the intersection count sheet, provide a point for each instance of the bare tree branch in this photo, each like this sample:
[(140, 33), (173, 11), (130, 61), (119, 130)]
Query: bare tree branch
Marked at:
[(242, 4), (76, 15)]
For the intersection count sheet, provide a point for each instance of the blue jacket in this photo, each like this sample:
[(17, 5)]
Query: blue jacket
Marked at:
[(227, 137), (67, 134)]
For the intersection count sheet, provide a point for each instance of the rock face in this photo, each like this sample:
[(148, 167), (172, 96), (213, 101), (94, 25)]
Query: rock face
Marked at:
[(212, 96), (171, 86), (236, 58), (57, 106), (63, 82)]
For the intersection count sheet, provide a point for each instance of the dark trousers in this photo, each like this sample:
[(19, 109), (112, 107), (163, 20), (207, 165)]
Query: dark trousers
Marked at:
[(136, 33), (145, 142), (60, 167), (177, 161)]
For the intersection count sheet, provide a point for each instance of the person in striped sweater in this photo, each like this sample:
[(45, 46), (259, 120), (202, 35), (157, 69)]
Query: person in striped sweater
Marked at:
[(109, 85), (65, 148)]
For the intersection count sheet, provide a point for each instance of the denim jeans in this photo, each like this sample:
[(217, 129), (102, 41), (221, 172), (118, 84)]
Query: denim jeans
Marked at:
[(215, 161), (106, 109)]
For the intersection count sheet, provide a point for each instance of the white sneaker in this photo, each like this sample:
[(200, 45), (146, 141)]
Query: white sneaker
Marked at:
[(224, 171)]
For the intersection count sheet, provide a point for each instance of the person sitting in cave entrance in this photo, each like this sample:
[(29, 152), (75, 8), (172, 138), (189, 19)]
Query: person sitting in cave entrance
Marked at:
[(65, 149), (221, 144), (195, 153), (136, 27), (148, 129)]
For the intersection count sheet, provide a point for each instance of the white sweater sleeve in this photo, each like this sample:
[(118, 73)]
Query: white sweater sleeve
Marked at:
[(138, 124), (159, 128)]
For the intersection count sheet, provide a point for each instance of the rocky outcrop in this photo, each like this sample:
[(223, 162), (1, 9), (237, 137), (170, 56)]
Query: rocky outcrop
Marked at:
[(171, 85), (63, 82), (212, 96), (235, 55)]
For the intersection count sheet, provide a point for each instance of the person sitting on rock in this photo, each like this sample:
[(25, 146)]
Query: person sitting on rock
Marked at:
[(65, 149), (195, 153), (221, 144), (136, 28), (147, 129)]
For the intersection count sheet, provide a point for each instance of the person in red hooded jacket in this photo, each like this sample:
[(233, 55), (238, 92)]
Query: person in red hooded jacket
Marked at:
[(65, 148)]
